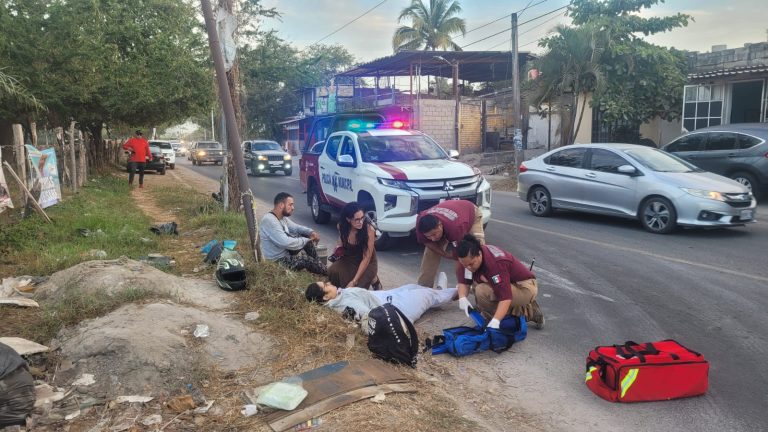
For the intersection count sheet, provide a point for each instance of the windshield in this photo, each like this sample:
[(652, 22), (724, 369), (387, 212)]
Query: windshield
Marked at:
[(162, 145), (265, 145), (660, 161), (208, 145), (399, 148)]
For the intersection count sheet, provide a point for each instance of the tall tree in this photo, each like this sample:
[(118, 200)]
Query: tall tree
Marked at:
[(570, 67), (642, 80), (431, 27)]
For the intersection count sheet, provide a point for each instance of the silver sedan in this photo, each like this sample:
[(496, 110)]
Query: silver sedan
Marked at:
[(632, 181)]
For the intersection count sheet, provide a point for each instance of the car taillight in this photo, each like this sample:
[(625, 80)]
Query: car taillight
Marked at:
[(523, 168)]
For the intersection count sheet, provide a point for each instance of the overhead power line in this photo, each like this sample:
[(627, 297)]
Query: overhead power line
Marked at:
[(528, 30), (349, 23), (504, 17), (523, 23)]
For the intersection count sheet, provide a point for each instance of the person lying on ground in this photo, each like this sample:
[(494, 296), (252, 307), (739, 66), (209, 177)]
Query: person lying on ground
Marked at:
[(413, 300), (504, 286), (440, 228), (17, 388), (356, 264), (289, 243)]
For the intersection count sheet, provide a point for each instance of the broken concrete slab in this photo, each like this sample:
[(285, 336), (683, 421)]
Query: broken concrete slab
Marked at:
[(112, 276), (19, 301), (148, 349), (23, 346)]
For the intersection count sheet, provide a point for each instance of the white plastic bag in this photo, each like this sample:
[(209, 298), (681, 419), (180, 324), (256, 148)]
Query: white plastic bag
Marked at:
[(282, 395)]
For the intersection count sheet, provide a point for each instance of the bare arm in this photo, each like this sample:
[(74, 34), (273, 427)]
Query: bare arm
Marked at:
[(502, 309), (367, 256)]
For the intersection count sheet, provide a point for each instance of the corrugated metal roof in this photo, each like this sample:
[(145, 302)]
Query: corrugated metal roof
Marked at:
[(474, 66), (730, 72)]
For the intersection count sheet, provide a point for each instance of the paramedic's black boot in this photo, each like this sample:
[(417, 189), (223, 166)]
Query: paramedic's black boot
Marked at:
[(536, 316)]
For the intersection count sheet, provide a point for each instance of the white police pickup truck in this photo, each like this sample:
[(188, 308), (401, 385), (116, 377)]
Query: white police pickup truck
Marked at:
[(393, 174)]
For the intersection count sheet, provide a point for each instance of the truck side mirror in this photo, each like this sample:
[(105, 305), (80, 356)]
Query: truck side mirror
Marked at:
[(453, 154), (345, 160)]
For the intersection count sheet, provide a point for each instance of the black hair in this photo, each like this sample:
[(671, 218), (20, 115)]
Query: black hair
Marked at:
[(348, 212), (468, 245), (281, 197), (138, 132), (427, 223), (314, 293)]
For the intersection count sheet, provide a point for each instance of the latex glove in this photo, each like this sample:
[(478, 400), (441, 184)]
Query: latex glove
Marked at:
[(464, 305), (494, 324)]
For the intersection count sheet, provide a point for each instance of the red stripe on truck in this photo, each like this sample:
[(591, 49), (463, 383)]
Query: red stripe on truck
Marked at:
[(394, 171)]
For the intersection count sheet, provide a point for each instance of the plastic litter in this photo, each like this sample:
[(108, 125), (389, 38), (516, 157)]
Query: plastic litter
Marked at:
[(249, 410), (133, 399), (207, 248), (202, 331), (282, 395), (229, 244), (308, 425), (84, 380), (98, 253), (166, 228)]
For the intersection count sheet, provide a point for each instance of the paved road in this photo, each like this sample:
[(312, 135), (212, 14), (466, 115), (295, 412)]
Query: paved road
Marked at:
[(605, 281)]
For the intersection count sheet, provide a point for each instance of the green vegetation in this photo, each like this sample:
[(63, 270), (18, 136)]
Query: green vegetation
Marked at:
[(432, 27), (34, 247)]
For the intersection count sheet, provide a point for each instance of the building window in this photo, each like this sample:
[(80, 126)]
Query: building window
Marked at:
[(702, 106)]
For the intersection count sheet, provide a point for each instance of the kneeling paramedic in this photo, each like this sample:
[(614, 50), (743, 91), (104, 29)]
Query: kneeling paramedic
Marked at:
[(504, 286)]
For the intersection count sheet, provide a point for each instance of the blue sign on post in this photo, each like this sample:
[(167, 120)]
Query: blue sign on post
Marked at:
[(518, 139)]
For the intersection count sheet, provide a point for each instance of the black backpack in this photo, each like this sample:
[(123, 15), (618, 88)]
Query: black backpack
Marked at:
[(391, 336)]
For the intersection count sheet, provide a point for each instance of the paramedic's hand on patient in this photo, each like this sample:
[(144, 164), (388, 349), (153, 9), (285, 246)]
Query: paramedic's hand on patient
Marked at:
[(494, 324), (464, 305)]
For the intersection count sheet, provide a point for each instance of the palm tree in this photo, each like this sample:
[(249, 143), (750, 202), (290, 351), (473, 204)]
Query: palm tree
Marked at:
[(570, 67), (11, 88), (431, 27)]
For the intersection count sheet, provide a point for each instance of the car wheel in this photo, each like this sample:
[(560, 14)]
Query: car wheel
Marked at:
[(658, 215), (315, 204), (194, 162), (255, 172), (288, 172), (173, 166), (540, 201), (162, 171), (746, 179)]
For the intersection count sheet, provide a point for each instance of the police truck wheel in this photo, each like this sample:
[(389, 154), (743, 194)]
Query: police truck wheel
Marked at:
[(315, 205)]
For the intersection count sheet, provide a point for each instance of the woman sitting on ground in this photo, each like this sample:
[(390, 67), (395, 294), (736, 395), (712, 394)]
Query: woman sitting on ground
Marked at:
[(356, 264)]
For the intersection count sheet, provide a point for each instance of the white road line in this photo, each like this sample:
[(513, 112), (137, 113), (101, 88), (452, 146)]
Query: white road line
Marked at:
[(638, 251), (568, 285)]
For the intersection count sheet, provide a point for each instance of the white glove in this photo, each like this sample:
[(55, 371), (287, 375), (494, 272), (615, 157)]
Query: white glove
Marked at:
[(464, 305), (494, 324)]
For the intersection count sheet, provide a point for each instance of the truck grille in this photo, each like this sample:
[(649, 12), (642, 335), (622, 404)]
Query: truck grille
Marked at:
[(429, 203), (273, 158)]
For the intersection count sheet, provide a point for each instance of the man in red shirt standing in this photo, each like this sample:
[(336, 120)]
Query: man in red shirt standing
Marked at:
[(503, 285), (442, 226), (138, 146)]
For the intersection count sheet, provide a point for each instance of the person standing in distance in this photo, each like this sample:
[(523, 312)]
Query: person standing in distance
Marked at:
[(440, 228), (138, 147)]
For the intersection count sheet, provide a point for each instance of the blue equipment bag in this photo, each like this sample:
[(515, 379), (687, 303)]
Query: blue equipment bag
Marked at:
[(463, 341)]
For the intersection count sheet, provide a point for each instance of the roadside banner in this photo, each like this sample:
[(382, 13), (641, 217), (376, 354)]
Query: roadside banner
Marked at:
[(46, 172), (5, 196)]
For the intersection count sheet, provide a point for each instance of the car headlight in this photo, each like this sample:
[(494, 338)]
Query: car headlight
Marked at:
[(287, 157), (261, 157), (201, 153), (700, 193), (400, 184)]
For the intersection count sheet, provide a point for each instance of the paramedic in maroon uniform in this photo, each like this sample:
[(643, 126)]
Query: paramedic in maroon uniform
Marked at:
[(503, 285), (440, 228)]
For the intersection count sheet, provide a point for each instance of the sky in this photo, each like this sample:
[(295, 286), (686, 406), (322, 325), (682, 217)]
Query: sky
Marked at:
[(304, 22)]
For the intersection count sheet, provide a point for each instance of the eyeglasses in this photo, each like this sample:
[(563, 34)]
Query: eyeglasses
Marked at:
[(358, 220)]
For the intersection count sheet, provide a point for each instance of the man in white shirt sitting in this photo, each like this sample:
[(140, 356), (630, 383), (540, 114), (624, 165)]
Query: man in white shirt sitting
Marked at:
[(413, 300)]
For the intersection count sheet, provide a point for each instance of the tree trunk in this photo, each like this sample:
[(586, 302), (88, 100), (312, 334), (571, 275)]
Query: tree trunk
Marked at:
[(233, 78), (581, 117)]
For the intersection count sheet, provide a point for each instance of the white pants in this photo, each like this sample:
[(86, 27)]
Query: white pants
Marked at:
[(413, 300)]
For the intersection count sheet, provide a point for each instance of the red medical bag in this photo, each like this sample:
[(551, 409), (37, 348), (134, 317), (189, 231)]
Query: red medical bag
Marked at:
[(646, 372)]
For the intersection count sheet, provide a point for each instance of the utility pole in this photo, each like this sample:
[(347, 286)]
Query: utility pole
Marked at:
[(233, 134), (457, 109), (518, 138)]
